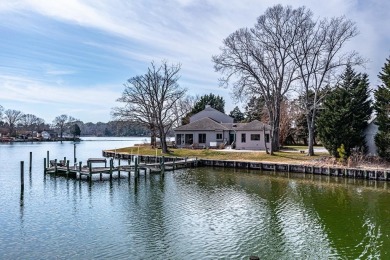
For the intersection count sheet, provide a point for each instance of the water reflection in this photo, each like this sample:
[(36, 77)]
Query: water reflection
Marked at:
[(202, 213)]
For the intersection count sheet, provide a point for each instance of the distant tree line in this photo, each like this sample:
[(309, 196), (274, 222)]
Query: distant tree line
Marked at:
[(14, 123)]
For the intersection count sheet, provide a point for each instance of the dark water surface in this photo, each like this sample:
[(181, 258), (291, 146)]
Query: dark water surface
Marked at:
[(203, 213)]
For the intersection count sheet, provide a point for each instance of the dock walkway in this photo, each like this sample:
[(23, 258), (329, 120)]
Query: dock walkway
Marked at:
[(133, 166)]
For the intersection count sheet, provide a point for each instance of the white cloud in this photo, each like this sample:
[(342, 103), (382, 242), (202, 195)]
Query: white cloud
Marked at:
[(185, 31), (58, 98)]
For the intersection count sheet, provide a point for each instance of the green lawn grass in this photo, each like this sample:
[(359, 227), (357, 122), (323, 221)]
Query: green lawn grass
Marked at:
[(290, 156)]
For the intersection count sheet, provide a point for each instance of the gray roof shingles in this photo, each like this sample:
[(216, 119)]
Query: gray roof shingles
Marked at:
[(208, 124)]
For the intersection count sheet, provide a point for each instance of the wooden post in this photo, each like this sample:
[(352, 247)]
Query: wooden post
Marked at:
[(162, 165), (119, 167), (30, 166), (74, 154), (67, 168), (80, 167), (135, 166), (111, 164), (55, 166), (22, 175), (48, 159), (44, 166), (90, 170)]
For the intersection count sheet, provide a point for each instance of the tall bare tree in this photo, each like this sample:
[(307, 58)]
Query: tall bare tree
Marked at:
[(152, 99), (61, 122), (318, 54), (259, 60), (31, 122), (12, 118)]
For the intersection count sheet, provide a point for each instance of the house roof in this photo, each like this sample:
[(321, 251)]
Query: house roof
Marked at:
[(205, 123), (208, 124), (255, 125), (213, 114)]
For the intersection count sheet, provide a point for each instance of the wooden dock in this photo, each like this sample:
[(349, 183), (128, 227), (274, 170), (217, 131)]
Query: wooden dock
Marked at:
[(133, 166), (144, 164)]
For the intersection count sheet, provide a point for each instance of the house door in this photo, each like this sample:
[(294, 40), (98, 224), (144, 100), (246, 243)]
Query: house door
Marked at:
[(232, 138)]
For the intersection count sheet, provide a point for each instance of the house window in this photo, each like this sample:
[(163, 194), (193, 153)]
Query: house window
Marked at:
[(189, 139), (202, 138), (243, 138), (267, 138), (219, 136), (255, 137), (178, 139)]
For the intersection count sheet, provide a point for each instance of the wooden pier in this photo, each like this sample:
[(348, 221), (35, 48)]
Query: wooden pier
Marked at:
[(144, 164), (135, 165)]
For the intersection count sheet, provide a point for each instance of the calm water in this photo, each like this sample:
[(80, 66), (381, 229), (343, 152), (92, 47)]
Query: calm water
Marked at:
[(202, 213)]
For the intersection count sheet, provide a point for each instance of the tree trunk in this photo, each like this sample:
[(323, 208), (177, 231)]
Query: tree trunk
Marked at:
[(163, 141), (275, 130), (265, 141), (310, 141)]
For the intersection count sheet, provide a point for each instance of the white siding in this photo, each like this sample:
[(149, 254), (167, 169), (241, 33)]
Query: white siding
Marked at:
[(251, 144), (211, 136)]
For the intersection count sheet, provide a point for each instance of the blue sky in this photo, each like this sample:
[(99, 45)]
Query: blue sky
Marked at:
[(73, 56)]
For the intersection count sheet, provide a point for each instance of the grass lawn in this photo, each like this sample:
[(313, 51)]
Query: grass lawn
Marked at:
[(292, 155)]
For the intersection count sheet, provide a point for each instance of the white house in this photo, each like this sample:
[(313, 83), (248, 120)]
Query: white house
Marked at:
[(44, 135), (212, 128)]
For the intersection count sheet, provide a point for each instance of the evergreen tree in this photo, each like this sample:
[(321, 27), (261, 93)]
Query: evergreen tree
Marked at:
[(216, 102), (75, 130), (382, 108), (345, 113), (254, 109), (237, 115)]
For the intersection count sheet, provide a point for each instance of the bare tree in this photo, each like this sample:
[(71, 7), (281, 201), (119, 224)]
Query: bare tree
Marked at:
[(318, 55), (61, 123), (12, 118), (31, 122), (259, 60), (152, 100)]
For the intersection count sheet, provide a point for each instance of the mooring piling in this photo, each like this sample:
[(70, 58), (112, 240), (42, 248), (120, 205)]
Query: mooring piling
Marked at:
[(74, 154), (30, 166), (22, 175), (44, 166)]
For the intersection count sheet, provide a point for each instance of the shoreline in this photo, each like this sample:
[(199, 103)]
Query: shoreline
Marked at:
[(307, 167)]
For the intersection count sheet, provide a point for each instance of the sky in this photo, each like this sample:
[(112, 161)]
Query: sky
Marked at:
[(73, 56)]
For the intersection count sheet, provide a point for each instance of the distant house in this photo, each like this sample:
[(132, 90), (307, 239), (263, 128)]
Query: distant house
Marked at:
[(47, 134), (44, 135), (370, 132), (214, 129)]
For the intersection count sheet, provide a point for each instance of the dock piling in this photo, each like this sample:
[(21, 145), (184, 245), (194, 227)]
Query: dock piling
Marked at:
[(30, 166), (44, 166), (22, 175), (80, 167), (48, 159)]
